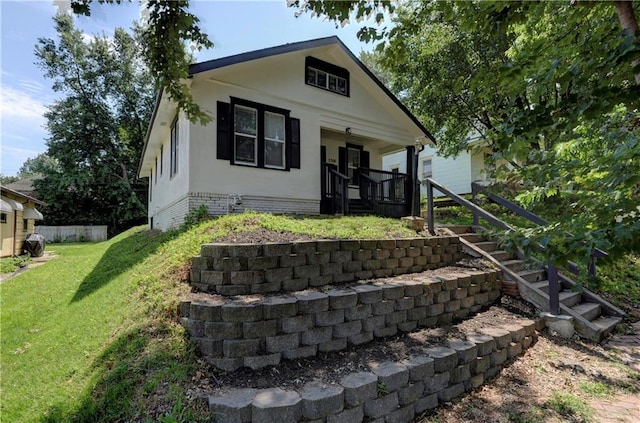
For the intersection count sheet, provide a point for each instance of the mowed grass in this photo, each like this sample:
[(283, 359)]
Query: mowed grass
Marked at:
[(93, 334)]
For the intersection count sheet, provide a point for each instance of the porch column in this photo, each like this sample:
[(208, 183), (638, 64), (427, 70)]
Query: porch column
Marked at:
[(413, 187)]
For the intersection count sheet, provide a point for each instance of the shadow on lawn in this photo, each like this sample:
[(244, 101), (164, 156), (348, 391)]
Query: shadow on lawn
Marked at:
[(120, 257), (138, 378)]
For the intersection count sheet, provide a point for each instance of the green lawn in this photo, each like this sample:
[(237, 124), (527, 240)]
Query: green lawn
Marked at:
[(92, 335)]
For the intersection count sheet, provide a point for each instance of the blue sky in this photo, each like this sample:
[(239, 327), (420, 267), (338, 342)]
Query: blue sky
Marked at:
[(233, 26)]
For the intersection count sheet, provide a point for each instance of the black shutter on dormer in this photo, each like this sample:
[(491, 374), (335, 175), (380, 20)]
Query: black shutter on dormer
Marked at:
[(295, 144), (223, 134)]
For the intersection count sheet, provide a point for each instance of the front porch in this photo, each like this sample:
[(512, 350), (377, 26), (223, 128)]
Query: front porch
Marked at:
[(377, 192)]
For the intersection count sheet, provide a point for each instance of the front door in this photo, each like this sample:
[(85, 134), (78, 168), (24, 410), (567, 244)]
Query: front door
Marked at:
[(351, 158)]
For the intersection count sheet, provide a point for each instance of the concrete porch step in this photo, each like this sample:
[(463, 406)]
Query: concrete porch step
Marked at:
[(459, 229), (541, 285), (502, 255), (606, 324), (570, 298), (487, 246), (472, 237), (534, 275), (515, 265)]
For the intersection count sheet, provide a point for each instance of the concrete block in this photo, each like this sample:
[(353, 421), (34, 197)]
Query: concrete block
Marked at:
[(296, 324), (209, 346), (351, 415), (425, 403), (329, 318), (306, 351), (378, 407), (460, 373), (344, 277), (266, 287), (443, 297), (293, 260), (251, 330), (341, 256), (467, 351), (485, 343), (406, 262), (423, 300), (227, 264), (312, 302), (408, 326), (405, 303), (239, 312), (352, 266), (498, 357), (262, 263), (401, 415), (391, 374), (360, 338), (362, 255), (383, 307), (443, 358), (391, 263), (233, 406), (481, 364), (276, 249), (231, 290), (420, 367), (385, 331), (451, 392), (205, 311), (527, 341), (303, 247), (368, 294), (278, 274), (391, 291), (410, 393), (417, 313), (347, 329), (396, 317), (474, 382), (279, 307), (373, 264), (320, 400), (214, 250), (436, 383), (373, 323), (226, 364), (445, 319), (308, 271), (358, 312), (561, 324), (316, 336), (213, 277), (517, 331), (328, 245), (383, 273), (381, 254), (261, 361), (245, 250), (398, 253), (342, 298), (359, 388), (501, 336), (320, 258), (276, 405), (223, 330), (333, 345), (514, 349), (275, 344), (318, 281), (234, 348)]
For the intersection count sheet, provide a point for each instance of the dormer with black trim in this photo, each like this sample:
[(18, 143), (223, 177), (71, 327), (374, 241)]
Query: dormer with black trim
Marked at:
[(326, 76)]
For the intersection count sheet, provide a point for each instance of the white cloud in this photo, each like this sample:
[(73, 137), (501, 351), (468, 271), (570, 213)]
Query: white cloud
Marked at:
[(63, 6), (20, 104), (31, 86), (14, 157)]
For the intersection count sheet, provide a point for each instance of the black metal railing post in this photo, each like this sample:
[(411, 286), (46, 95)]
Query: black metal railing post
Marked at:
[(430, 217), (554, 289), (474, 198)]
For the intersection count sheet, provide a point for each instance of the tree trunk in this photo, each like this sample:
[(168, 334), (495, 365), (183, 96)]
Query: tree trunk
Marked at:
[(628, 21)]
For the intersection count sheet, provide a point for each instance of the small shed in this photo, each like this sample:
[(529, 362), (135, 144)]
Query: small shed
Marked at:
[(18, 214)]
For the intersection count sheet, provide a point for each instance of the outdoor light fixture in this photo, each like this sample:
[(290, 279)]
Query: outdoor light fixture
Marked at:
[(418, 145), (348, 131)]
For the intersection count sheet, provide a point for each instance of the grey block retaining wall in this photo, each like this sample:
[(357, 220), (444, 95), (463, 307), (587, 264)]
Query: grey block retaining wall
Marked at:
[(240, 269), (391, 391), (259, 331)]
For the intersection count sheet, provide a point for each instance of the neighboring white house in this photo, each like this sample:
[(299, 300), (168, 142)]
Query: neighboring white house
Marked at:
[(455, 174), (291, 124)]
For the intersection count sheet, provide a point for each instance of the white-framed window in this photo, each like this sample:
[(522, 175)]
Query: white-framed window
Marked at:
[(175, 144), (245, 130), (427, 168), (327, 76), (274, 140)]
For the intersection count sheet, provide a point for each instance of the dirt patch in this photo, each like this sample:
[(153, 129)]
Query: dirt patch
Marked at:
[(262, 235)]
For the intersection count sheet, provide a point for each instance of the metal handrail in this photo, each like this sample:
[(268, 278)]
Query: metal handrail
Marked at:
[(554, 285), (369, 189), (477, 189)]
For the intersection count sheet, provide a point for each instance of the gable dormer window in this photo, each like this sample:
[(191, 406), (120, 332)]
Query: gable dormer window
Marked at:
[(326, 76)]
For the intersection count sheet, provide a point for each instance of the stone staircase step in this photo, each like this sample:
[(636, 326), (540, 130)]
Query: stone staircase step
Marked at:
[(589, 311), (606, 324), (459, 229), (570, 298), (534, 275), (472, 237), (541, 285), (515, 265), (487, 246), (502, 255)]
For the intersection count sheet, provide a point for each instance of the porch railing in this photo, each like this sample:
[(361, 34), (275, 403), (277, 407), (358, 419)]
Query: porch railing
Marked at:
[(380, 186), (339, 186)]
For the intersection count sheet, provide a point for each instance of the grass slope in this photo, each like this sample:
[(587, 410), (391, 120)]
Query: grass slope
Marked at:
[(92, 335)]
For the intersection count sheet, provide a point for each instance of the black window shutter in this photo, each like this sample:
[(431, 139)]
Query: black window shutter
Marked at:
[(342, 160), (364, 159), (295, 144), (223, 136)]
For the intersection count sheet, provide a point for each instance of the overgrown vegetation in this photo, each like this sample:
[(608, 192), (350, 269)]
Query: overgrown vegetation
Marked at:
[(11, 264), (570, 407)]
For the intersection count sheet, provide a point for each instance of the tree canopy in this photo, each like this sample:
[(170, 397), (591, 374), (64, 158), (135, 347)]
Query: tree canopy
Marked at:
[(552, 87), (97, 127)]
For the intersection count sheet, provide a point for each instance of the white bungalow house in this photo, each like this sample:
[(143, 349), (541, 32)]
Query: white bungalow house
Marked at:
[(18, 214), (456, 174), (298, 128)]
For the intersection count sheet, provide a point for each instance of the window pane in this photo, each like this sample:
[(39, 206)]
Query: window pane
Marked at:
[(274, 126), (342, 86), (322, 79), (353, 157), (332, 83), (274, 153), (245, 149), (246, 120), (311, 76), (427, 169)]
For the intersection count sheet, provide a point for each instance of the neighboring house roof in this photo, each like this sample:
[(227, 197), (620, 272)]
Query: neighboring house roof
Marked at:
[(5, 189), (197, 68), (24, 186)]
